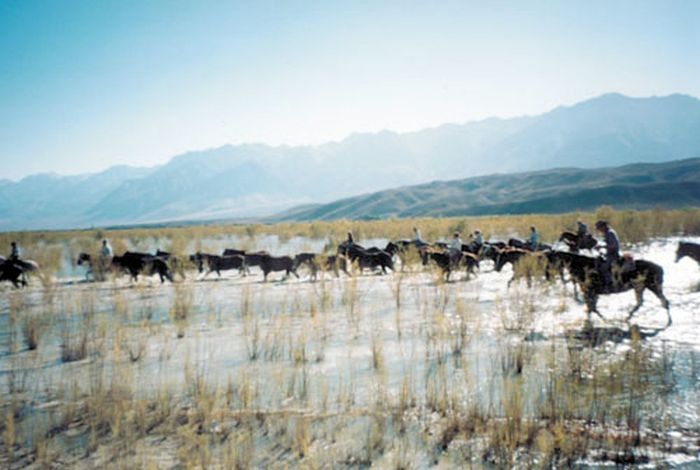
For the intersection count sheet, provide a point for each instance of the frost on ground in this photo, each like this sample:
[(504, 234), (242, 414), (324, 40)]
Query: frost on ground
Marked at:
[(400, 370)]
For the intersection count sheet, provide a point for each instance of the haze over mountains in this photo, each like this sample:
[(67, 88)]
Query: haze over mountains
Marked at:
[(640, 186), (253, 181)]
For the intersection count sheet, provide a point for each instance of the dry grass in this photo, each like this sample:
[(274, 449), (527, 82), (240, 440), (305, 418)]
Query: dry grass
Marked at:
[(326, 375)]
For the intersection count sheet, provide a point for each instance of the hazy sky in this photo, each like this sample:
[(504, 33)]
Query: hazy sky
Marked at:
[(88, 84)]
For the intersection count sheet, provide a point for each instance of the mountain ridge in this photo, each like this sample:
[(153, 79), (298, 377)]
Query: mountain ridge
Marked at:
[(638, 185), (258, 180)]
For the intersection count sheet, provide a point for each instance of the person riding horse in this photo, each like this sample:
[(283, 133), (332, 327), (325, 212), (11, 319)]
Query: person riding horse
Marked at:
[(612, 251), (105, 259), (582, 234), (14, 252), (534, 240), (417, 239), (455, 249)]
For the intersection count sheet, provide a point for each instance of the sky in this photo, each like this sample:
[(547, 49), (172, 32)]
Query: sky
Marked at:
[(87, 84)]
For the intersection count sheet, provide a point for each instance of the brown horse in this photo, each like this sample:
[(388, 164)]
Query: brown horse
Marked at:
[(522, 265), (316, 263)]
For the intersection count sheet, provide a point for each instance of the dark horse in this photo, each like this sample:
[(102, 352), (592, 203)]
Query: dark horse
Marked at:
[(448, 264), (254, 259), (642, 275), (576, 242), (216, 263), (174, 262), (691, 250), (270, 264), (372, 258), (142, 263), (490, 250), (15, 271), (231, 252), (523, 245)]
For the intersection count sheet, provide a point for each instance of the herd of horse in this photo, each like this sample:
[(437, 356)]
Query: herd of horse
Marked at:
[(583, 270)]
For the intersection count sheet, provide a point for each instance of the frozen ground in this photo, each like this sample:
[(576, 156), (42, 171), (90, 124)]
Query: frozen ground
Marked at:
[(348, 342)]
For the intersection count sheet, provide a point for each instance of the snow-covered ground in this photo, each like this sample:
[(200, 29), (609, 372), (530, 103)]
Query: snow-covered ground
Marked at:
[(347, 331)]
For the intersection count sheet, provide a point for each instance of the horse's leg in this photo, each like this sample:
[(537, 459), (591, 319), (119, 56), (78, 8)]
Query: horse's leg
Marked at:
[(639, 292), (592, 304), (657, 290)]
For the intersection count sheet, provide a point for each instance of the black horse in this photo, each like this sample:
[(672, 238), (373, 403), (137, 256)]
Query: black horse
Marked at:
[(270, 264), (691, 250), (135, 263), (523, 245), (254, 259), (366, 258), (575, 242), (174, 262), (232, 251), (311, 260), (640, 275), (216, 263), (16, 270)]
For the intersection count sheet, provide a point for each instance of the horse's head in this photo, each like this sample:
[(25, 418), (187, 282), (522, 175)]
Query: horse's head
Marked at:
[(198, 260), (391, 248), (501, 259)]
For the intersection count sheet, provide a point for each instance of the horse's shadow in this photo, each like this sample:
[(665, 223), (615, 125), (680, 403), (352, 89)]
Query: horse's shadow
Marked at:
[(592, 337)]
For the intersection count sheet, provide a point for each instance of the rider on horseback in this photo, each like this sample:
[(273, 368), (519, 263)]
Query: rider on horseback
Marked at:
[(106, 250), (612, 251), (534, 240), (417, 239), (14, 251), (581, 233), (455, 249)]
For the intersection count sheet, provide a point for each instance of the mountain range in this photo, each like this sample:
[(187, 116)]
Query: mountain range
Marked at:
[(257, 180), (639, 186)]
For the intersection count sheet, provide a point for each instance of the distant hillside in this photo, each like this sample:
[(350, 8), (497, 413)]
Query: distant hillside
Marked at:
[(671, 185), (253, 181)]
